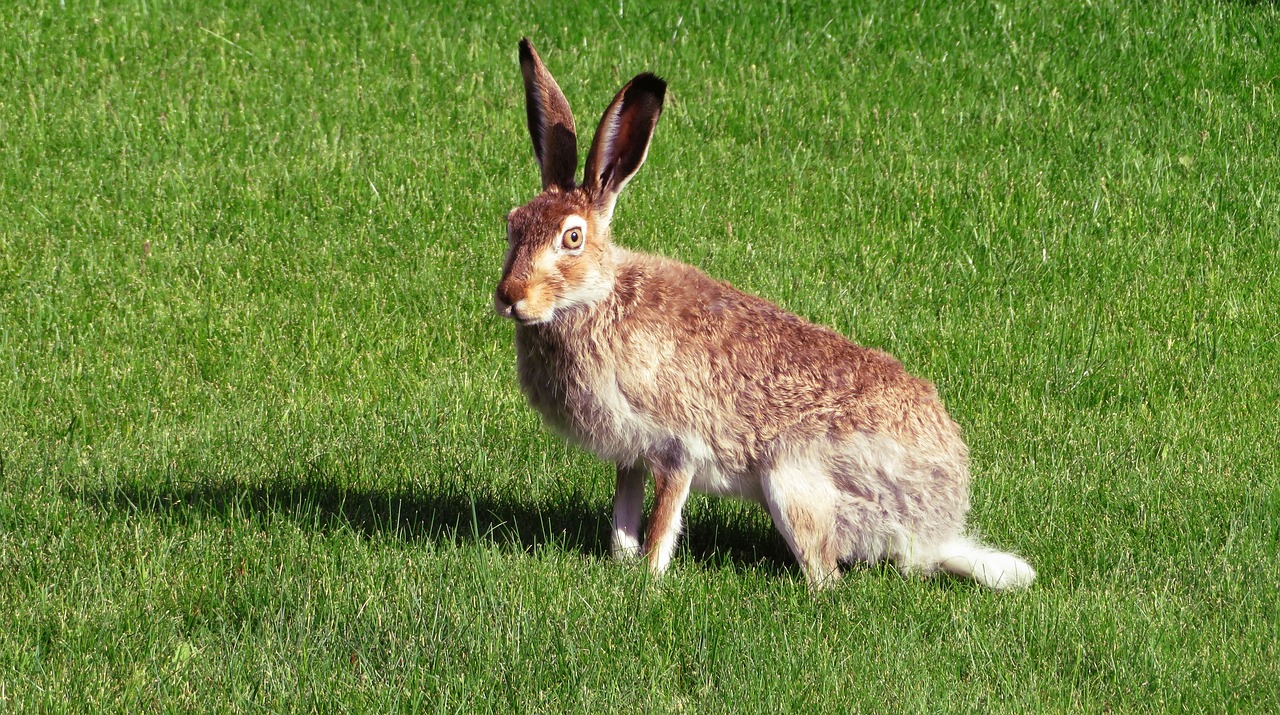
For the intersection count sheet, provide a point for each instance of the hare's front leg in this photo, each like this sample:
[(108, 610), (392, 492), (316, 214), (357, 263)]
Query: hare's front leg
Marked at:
[(628, 508), (670, 491)]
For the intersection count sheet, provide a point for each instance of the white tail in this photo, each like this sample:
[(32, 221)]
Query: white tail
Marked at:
[(996, 570)]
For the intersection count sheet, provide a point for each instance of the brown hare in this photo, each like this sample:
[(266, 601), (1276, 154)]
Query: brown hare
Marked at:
[(656, 367)]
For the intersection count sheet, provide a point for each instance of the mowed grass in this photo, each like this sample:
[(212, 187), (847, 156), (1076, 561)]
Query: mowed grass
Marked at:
[(261, 444)]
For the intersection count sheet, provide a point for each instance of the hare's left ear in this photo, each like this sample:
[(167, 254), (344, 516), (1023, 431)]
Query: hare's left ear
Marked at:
[(622, 139), (550, 122)]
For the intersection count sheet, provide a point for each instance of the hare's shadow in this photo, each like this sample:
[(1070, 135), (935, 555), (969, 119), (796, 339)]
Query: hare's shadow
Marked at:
[(573, 521)]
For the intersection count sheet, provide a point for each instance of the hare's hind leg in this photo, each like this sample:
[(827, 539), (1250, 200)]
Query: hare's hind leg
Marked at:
[(802, 501), (628, 508)]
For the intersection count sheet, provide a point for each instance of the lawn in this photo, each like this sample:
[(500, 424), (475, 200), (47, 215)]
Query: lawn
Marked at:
[(261, 443)]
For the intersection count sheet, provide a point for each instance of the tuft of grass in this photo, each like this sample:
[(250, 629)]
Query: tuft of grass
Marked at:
[(261, 446)]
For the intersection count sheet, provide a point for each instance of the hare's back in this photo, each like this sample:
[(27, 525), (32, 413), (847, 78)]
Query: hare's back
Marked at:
[(732, 354)]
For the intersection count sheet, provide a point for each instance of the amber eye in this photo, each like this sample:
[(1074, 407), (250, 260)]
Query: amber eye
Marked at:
[(572, 239)]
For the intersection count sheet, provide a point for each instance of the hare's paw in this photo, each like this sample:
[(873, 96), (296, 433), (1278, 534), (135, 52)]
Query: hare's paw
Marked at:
[(625, 546)]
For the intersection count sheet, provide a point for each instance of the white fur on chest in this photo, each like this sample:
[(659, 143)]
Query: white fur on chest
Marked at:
[(613, 428)]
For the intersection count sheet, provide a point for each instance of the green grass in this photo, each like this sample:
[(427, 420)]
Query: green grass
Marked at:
[(261, 446)]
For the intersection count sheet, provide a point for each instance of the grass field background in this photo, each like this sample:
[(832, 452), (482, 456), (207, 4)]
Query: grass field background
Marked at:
[(261, 446)]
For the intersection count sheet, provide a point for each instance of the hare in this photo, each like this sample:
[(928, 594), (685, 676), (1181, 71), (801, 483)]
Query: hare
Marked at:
[(668, 373)]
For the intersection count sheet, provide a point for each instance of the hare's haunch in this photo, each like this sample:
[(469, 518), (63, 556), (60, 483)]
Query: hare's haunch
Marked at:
[(668, 373)]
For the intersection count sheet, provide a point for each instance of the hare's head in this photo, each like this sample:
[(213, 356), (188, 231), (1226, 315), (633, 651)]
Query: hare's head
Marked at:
[(558, 253)]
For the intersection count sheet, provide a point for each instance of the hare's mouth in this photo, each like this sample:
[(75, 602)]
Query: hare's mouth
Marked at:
[(523, 318), (534, 320)]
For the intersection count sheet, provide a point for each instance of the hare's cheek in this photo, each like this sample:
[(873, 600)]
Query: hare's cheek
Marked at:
[(574, 271), (584, 282)]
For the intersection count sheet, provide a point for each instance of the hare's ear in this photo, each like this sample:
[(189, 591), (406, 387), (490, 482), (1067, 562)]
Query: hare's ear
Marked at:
[(550, 122), (622, 139)]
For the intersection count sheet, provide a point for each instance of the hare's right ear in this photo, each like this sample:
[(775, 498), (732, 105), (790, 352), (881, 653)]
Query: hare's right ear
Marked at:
[(550, 122), (622, 139)]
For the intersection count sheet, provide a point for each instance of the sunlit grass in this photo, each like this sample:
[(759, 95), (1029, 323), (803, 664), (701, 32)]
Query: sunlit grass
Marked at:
[(261, 446)]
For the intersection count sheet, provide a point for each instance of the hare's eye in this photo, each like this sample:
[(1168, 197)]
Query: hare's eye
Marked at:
[(572, 239)]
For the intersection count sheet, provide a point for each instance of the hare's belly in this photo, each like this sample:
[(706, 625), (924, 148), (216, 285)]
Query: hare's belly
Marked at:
[(710, 478), (612, 427), (629, 434)]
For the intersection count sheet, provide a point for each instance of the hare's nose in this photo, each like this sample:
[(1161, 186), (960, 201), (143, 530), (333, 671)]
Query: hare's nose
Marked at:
[(509, 293)]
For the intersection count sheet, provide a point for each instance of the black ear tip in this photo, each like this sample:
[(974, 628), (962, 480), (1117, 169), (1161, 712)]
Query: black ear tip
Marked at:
[(646, 87), (651, 83), (526, 49)]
